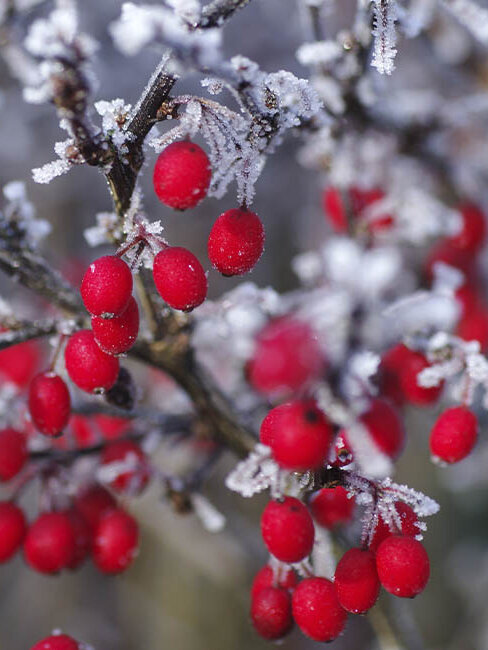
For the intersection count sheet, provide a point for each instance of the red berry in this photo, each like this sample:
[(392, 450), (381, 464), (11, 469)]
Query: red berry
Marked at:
[(408, 526), (454, 434), (93, 503), (50, 543), (236, 242), (473, 326), (18, 363), (287, 529), (57, 642), (390, 371), (182, 175), (13, 453), (286, 358), (468, 297), (89, 367), (317, 611), (342, 455), (331, 507), (302, 436), (473, 231), (83, 541), (107, 286), (334, 209), (356, 581), (403, 566), (117, 335), (363, 199), (111, 426), (126, 451), (179, 278), (272, 423), (271, 613), (444, 251), (116, 542), (265, 577), (413, 364), (49, 403), (12, 529), (385, 427)]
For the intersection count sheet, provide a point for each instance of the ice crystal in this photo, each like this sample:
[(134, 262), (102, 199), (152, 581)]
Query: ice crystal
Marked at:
[(256, 473), (384, 52), (319, 53), (106, 229), (114, 115), (19, 209), (212, 520)]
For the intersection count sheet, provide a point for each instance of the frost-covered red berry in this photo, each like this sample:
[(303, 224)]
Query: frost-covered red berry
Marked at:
[(127, 452), (271, 612), (116, 542), (356, 581), (117, 335), (50, 542), (12, 529), (342, 454), (182, 175), (408, 525), (89, 367), (446, 252), (49, 403), (317, 611), (454, 434), (179, 278), (332, 507), (403, 566), (57, 642), (384, 426), (272, 423), (472, 235), (13, 453), (106, 287), (302, 437), (236, 242), (287, 529), (93, 503), (413, 364), (265, 577), (286, 358)]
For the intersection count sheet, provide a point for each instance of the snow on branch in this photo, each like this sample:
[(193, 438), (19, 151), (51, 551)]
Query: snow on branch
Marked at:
[(471, 15), (384, 33)]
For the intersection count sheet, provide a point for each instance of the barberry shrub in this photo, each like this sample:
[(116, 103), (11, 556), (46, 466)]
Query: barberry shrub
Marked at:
[(310, 372)]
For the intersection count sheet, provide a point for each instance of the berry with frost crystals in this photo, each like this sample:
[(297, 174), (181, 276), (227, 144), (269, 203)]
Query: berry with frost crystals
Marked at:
[(358, 200), (356, 581), (403, 566), (89, 367), (12, 529), (408, 526), (126, 451), (236, 242), (272, 423), (49, 403), (57, 642), (454, 434), (50, 543), (13, 453), (332, 507), (302, 436), (106, 287), (444, 251), (412, 364), (472, 236), (271, 613), (179, 278), (116, 542), (265, 577), (286, 358), (93, 503), (287, 529), (317, 611), (117, 335), (343, 455), (182, 175)]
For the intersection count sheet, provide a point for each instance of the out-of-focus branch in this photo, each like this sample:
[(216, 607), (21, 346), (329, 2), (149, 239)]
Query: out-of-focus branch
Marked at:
[(218, 11)]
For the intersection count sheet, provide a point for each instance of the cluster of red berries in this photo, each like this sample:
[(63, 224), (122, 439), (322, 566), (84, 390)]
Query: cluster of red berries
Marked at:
[(346, 209), (57, 641)]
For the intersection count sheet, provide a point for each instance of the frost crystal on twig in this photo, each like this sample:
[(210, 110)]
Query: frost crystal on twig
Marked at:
[(20, 210), (384, 53), (256, 473)]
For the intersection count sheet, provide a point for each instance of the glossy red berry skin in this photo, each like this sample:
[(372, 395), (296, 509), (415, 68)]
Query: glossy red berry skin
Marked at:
[(12, 529), (271, 613), (106, 287), (286, 579), (179, 278), (49, 403), (182, 175), (413, 364), (390, 370), (472, 236), (272, 423), (403, 566), (122, 451), (50, 543), (317, 611), (116, 542), (18, 363), (89, 367), (408, 526), (302, 438), (57, 642), (331, 507), (236, 242), (83, 538), (287, 529), (117, 335), (93, 503), (385, 427), (356, 581), (287, 357), (13, 453), (454, 434)]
